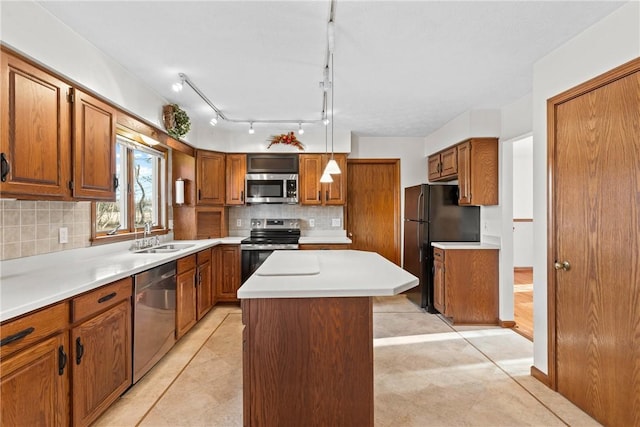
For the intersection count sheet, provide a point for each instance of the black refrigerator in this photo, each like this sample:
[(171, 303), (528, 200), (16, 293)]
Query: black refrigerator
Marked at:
[(432, 214)]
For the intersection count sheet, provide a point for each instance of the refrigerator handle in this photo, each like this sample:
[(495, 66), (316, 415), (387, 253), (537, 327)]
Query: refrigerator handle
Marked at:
[(419, 240), (421, 206)]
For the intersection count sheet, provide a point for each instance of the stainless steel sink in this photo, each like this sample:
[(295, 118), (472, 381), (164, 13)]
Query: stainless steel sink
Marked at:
[(166, 248)]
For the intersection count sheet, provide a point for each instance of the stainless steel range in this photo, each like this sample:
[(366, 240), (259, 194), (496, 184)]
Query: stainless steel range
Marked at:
[(267, 235)]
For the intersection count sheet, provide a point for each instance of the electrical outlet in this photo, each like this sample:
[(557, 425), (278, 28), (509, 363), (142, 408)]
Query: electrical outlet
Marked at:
[(238, 222), (312, 222), (63, 235), (335, 222)]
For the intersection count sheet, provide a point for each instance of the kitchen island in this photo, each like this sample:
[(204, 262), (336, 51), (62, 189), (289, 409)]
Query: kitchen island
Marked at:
[(308, 336)]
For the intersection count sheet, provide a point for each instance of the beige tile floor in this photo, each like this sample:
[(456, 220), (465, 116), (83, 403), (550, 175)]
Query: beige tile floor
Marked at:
[(427, 373)]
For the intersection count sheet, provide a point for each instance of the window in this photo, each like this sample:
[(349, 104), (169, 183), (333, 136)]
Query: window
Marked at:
[(140, 173)]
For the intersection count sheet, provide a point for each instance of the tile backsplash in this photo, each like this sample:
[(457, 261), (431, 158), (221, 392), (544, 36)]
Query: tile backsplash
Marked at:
[(31, 227), (323, 217)]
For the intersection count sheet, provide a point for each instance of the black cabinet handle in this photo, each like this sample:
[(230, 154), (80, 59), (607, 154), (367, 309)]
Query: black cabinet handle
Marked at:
[(62, 360), (17, 336), (116, 182), (5, 168), (326, 198), (319, 195), (79, 351), (107, 297), (242, 196), (199, 194)]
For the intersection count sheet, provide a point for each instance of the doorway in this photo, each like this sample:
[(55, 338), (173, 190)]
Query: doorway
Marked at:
[(373, 206), (594, 245), (523, 254)]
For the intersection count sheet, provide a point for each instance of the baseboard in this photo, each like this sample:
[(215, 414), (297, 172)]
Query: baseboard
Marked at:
[(506, 323), (540, 376), (522, 269)]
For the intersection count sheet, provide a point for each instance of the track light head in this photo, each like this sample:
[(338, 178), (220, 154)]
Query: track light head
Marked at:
[(300, 130), (251, 129)]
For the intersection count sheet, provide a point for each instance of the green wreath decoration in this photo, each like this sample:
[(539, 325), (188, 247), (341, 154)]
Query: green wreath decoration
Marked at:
[(176, 121)]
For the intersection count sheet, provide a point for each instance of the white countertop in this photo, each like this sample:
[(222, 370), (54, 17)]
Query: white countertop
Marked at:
[(464, 245), (30, 283), (341, 273), (329, 240)]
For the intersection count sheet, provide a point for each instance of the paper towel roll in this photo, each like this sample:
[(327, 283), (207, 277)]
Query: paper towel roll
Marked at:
[(179, 193)]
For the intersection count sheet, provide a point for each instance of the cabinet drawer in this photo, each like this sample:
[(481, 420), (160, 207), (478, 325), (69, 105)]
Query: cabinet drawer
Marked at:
[(20, 333), (187, 263), (100, 299), (438, 254), (204, 256)]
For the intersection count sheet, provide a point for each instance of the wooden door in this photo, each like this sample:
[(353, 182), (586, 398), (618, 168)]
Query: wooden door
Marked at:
[(205, 294), (185, 295), (229, 272), (373, 206), (35, 132), (309, 179), (33, 389), (335, 193), (101, 362), (236, 166), (464, 173), (594, 306), (94, 141), (210, 179)]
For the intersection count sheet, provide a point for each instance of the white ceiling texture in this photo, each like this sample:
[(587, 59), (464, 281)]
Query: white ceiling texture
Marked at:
[(402, 68)]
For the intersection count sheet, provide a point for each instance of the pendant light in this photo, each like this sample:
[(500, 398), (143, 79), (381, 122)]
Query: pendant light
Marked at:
[(332, 167), (326, 177)]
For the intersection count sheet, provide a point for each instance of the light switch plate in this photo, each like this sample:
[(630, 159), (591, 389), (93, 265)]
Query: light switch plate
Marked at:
[(335, 222), (312, 222), (238, 222), (63, 235)]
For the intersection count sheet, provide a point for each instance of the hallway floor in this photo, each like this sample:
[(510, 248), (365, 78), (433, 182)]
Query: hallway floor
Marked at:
[(426, 373)]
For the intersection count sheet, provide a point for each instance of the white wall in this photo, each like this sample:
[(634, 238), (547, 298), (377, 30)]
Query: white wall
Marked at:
[(473, 123), (33, 31), (607, 44), (523, 202)]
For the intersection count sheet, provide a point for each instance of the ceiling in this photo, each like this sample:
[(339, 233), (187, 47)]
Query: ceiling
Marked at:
[(402, 68)]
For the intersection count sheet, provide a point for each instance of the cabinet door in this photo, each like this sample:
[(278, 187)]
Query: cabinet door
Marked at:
[(101, 362), (94, 141), (210, 179), (229, 272), (185, 301), (236, 170), (34, 389), (335, 193), (439, 301), (464, 173), (309, 179), (35, 132), (205, 292), (449, 162), (433, 166)]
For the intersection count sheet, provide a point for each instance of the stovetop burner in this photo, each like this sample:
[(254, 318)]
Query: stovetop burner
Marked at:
[(272, 233)]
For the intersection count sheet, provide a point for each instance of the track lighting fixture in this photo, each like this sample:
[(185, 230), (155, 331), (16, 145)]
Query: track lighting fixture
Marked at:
[(214, 120), (251, 129), (177, 86), (300, 130)]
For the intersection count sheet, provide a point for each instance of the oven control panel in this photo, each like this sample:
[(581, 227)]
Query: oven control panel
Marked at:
[(275, 223)]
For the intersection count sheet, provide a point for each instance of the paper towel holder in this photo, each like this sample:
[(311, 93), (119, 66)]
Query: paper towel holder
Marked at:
[(178, 195)]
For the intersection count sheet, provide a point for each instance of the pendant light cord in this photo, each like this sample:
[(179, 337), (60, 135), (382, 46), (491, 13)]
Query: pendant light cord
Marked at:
[(333, 115)]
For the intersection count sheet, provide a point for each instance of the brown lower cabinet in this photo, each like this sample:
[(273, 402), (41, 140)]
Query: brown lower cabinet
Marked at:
[(186, 285), (228, 272), (56, 352), (465, 285)]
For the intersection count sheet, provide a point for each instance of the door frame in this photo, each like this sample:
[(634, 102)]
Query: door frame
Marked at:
[(396, 200), (552, 103)]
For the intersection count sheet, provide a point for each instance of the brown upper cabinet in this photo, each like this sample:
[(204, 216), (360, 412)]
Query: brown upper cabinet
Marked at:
[(35, 144), (57, 142), (474, 163), (236, 169), (444, 164), (210, 179), (311, 191), (94, 157)]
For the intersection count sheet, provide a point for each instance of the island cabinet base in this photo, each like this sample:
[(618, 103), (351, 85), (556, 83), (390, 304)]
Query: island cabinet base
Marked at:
[(308, 361)]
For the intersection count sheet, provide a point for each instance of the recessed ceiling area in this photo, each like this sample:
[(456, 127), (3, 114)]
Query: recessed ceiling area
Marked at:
[(402, 68)]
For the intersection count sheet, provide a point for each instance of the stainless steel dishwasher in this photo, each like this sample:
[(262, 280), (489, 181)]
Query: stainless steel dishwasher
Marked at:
[(154, 317)]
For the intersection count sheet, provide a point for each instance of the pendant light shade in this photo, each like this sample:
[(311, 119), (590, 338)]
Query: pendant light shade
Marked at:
[(332, 167), (326, 177)]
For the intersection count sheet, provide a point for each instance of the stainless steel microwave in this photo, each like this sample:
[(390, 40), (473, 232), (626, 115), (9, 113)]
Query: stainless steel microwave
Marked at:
[(271, 188)]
